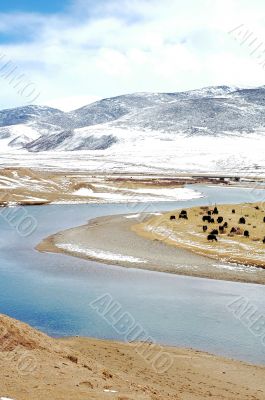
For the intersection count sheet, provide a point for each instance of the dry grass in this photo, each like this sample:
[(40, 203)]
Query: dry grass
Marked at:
[(229, 247), (28, 186)]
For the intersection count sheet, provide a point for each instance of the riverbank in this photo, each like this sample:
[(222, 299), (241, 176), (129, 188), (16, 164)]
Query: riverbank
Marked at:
[(113, 240), (24, 186), (238, 232), (34, 366), (28, 186)]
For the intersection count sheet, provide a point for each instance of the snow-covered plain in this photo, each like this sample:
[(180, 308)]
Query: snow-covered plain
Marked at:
[(148, 153)]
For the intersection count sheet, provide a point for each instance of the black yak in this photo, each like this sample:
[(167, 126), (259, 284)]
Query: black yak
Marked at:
[(215, 210), (212, 238), (205, 227), (214, 232), (172, 217), (242, 220), (246, 233), (220, 220), (183, 216)]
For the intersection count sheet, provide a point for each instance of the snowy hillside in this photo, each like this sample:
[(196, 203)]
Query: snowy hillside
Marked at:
[(215, 128)]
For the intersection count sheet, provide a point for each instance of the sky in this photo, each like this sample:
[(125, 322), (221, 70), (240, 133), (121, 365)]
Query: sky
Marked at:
[(68, 53)]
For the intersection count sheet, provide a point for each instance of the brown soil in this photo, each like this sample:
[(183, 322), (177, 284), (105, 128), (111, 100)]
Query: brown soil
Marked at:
[(36, 367)]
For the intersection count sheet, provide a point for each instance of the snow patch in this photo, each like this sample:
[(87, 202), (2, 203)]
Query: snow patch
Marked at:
[(141, 195), (110, 391), (5, 398), (132, 216), (99, 254), (83, 192)]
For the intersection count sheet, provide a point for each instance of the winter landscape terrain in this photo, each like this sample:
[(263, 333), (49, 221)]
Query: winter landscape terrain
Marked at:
[(132, 200), (218, 130)]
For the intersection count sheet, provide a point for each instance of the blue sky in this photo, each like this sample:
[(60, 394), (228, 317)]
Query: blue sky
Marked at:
[(77, 51), (40, 6)]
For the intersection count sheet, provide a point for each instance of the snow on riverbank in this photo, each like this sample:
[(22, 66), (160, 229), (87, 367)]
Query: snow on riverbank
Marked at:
[(98, 254), (141, 194)]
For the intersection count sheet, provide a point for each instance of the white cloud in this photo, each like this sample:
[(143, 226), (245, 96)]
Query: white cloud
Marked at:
[(108, 48)]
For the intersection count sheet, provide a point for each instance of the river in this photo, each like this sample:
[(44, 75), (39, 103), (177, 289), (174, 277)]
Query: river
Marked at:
[(52, 292)]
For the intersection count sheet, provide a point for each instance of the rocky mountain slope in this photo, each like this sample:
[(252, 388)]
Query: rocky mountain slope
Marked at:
[(214, 111), (211, 130)]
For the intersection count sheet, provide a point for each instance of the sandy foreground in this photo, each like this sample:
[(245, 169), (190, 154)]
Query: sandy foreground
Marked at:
[(115, 240), (36, 367)]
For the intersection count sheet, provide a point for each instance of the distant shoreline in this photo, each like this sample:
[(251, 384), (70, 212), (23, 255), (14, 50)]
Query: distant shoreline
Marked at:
[(35, 187)]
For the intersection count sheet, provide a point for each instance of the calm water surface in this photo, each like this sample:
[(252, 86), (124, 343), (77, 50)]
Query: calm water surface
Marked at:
[(52, 292)]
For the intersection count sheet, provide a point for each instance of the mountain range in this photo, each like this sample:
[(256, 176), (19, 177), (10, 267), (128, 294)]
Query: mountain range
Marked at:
[(209, 112)]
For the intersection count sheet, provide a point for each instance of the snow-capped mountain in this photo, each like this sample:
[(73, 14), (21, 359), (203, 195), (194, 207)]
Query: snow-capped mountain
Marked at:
[(222, 127), (210, 111)]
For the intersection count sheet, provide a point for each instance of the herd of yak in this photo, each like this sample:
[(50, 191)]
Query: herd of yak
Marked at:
[(210, 218)]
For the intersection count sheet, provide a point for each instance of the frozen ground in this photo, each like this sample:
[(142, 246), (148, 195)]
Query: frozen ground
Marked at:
[(27, 186)]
